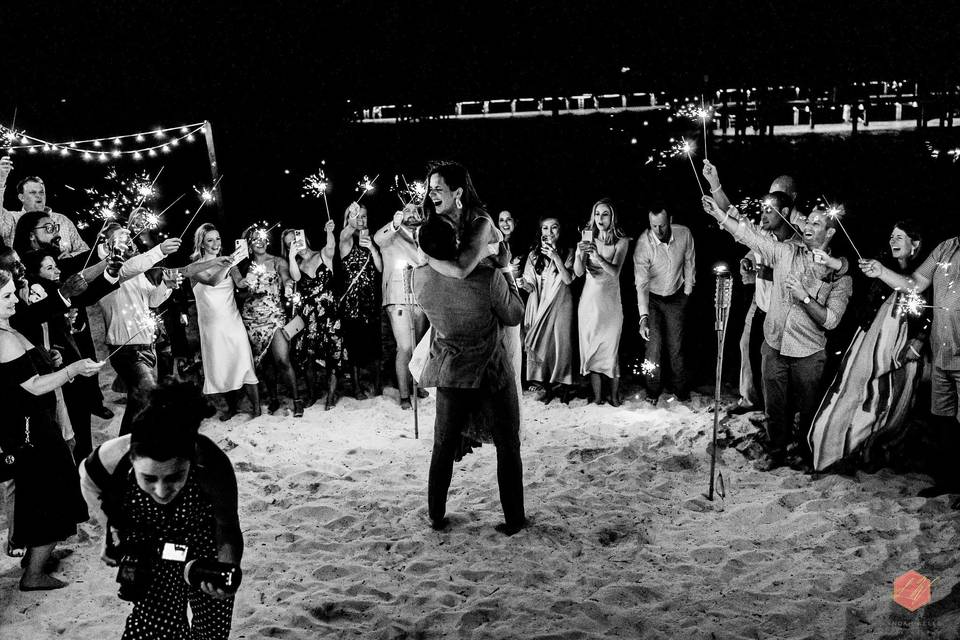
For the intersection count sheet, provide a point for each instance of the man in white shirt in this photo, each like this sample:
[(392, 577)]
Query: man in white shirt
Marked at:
[(663, 266), (127, 310)]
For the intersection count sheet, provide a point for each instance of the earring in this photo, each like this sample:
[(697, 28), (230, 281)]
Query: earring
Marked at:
[(459, 204)]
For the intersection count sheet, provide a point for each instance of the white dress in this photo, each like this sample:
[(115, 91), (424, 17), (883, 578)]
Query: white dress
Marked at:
[(224, 345)]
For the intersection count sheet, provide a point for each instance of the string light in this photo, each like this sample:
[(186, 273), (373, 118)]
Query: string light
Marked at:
[(14, 140)]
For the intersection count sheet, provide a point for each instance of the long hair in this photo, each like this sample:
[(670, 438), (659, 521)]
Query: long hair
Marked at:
[(540, 261), (198, 237), (457, 177), (614, 221), (5, 276)]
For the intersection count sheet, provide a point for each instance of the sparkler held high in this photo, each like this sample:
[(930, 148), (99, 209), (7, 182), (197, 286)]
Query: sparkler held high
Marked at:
[(316, 186), (687, 148), (365, 185), (836, 212), (206, 195)]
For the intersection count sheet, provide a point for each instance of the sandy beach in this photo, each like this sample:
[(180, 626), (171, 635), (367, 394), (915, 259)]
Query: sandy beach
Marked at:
[(622, 542)]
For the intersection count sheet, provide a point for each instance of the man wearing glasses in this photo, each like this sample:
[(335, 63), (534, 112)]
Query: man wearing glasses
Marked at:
[(33, 196)]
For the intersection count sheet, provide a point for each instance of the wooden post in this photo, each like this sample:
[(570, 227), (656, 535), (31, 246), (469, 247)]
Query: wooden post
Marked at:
[(214, 173)]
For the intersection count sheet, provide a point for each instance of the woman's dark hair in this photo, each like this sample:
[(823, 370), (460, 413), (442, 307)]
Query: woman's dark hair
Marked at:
[(167, 427), (914, 232), (5, 276), (33, 260), (25, 226), (456, 176), (438, 239), (541, 261)]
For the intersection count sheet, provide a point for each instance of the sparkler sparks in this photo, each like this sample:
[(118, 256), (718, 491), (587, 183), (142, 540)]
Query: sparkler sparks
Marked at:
[(315, 185), (837, 212), (648, 368), (149, 323), (411, 192), (912, 303), (365, 185)]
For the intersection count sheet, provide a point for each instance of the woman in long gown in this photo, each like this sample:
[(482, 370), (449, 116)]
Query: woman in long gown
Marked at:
[(863, 413), (48, 502), (224, 345), (548, 319), (322, 337), (600, 313), (263, 315), (359, 312)]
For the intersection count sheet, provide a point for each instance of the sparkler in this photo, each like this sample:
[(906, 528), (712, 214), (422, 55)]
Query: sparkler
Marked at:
[(913, 302), (415, 192), (206, 195), (836, 212), (688, 149), (316, 186), (148, 323), (108, 216), (365, 185), (648, 367)]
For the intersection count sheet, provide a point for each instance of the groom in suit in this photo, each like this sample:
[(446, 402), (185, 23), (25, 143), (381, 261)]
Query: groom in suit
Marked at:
[(468, 365)]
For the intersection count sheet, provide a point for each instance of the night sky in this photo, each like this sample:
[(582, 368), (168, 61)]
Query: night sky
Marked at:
[(275, 78)]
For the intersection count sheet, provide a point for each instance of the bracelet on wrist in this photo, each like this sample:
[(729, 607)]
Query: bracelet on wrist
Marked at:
[(718, 188)]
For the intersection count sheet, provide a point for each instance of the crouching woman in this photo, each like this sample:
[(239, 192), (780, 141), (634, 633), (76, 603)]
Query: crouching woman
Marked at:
[(167, 499)]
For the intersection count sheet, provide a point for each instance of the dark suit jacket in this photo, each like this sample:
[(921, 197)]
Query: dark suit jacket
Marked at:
[(466, 316)]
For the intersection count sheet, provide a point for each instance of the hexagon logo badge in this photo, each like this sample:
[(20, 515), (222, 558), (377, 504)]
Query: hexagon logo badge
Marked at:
[(911, 590)]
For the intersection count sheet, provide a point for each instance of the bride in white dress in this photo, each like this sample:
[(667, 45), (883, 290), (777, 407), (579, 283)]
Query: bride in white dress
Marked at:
[(224, 345)]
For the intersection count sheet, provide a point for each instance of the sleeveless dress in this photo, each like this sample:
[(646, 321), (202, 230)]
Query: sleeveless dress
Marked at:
[(359, 312), (188, 520), (262, 312), (48, 502), (224, 345), (600, 316), (322, 336)]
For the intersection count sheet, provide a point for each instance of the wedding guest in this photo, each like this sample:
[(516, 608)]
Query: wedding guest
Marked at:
[(359, 313), (600, 312), (322, 335), (224, 346), (48, 505), (664, 272), (863, 416), (548, 318), (267, 276), (807, 302), (407, 321)]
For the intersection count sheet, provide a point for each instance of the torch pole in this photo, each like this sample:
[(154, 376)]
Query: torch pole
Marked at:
[(724, 288)]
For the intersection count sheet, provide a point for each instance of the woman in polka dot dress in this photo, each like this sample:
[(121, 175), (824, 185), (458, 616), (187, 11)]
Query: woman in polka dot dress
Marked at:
[(170, 496)]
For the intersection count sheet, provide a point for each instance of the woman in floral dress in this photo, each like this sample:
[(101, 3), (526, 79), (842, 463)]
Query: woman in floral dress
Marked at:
[(316, 302), (264, 318)]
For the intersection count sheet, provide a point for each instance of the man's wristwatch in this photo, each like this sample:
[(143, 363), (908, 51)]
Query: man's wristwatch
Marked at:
[(806, 300)]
